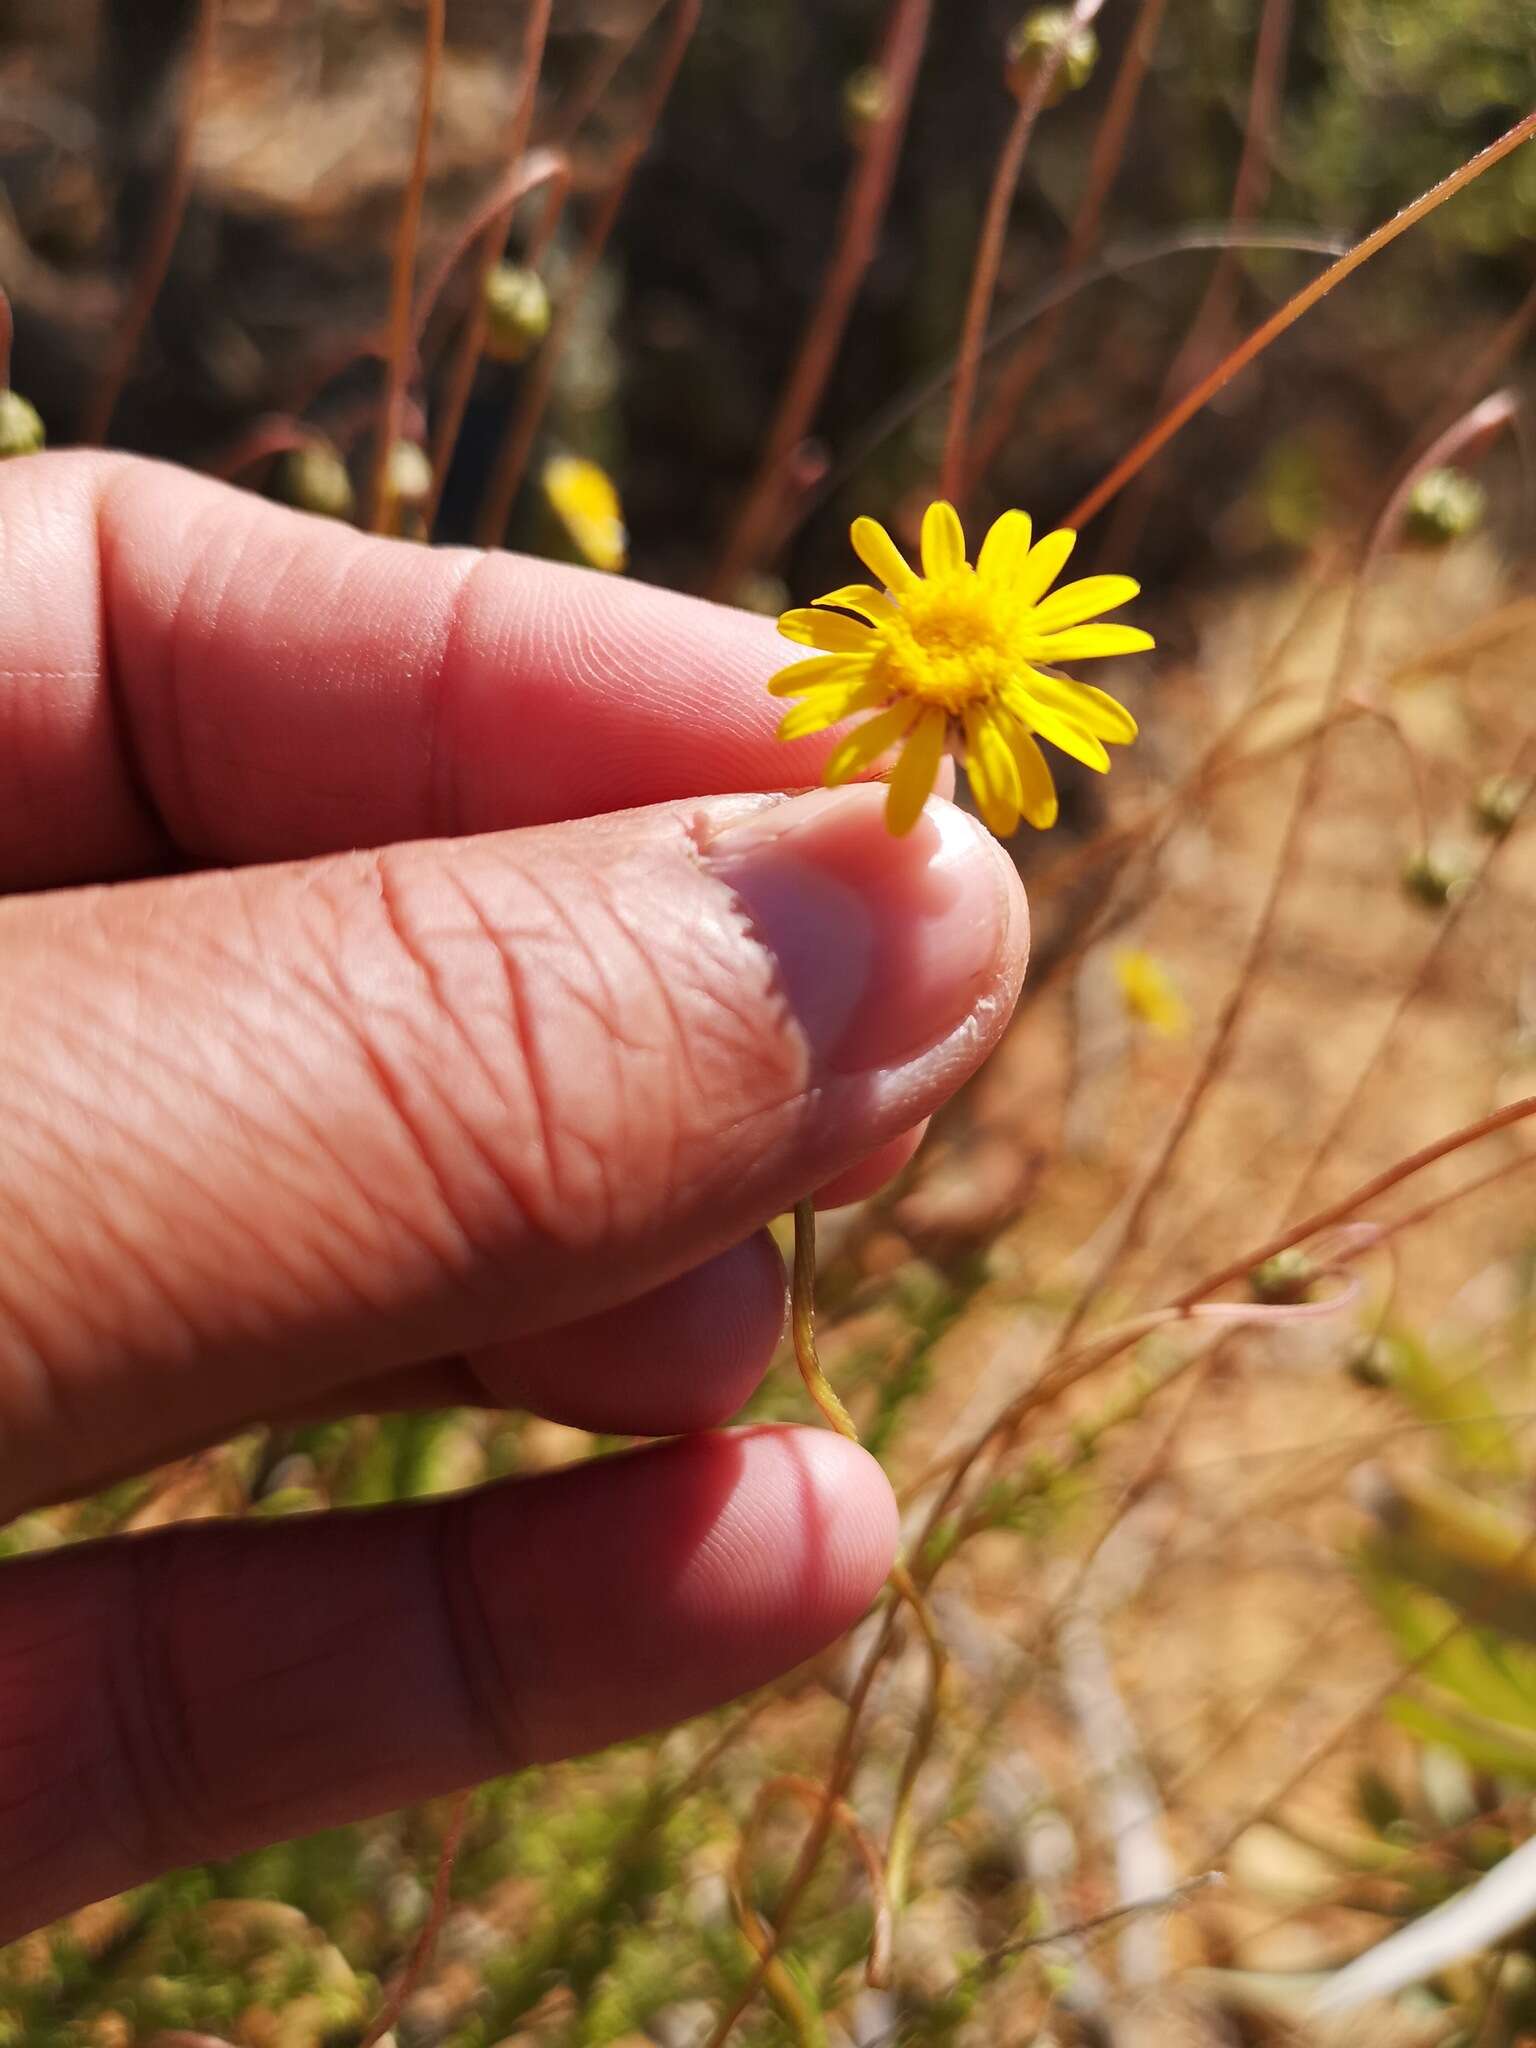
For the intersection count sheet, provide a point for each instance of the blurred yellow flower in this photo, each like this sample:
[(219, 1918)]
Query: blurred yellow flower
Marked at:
[(946, 661), (1149, 994), (585, 502)]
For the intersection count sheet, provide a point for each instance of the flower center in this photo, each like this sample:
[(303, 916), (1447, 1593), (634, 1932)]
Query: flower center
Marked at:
[(955, 643)]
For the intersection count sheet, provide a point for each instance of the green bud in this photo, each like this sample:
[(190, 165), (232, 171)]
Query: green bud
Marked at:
[(1034, 44), (1373, 1364), (315, 479), (21, 426), (866, 102), (1435, 877), (1498, 804), (1284, 1280), (408, 476), (1444, 505), (517, 312), (1379, 1800)]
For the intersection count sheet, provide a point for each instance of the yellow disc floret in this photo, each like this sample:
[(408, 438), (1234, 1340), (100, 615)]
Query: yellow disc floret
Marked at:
[(947, 660)]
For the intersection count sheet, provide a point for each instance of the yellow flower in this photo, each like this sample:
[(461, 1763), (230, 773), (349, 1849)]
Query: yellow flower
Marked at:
[(587, 505), (947, 661), (1149, 994)]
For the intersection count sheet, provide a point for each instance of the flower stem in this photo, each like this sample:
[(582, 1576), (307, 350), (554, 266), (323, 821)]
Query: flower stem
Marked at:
[(802, 1322), (756, 530), (403, 275), (163, 236), (1157, 438), (989, 260)]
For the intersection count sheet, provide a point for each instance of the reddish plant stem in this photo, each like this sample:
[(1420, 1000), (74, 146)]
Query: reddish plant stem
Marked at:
[(811, 1795), (1218, 1052), (522, 429), (1525, 761), (400, 353), (1249, 191), (276, 434), (539, 167), (756, 528), (1018, 376), (820, 1830), (163, 236), (460, 377), (420, 1960), (989, 258), (1153, 442), (1340, 1211)]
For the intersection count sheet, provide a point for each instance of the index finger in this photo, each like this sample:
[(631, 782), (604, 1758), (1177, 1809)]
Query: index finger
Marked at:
[(188, 672)]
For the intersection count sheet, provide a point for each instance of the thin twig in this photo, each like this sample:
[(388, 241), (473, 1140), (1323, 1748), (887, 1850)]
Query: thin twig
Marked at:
[(164, 235), (1157, 438), (1122, 260), (522, 429), (989, 254), (1249, 189), (460, 377), (420, 1959), (1219, 1049), (751, 535), (400, 353), (1109, 143)]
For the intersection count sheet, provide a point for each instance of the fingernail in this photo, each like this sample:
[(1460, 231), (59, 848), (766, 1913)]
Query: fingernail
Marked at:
[(883, 946)]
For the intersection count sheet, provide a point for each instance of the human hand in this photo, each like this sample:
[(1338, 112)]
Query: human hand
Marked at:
[(289, 1129)]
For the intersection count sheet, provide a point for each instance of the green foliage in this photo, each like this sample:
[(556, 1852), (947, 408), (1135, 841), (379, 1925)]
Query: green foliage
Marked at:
[(1404, 93)]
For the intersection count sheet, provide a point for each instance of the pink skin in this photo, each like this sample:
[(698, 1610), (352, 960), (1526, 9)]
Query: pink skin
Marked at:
[(453, 1118)]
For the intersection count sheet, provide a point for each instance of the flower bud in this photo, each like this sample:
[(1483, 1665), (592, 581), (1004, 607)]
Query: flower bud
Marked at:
[(517, 312), (1435, 877), (866, 102), (21, 426), (1283, 1280), (315, 479), (1498, 804), (1035, 43), (583, 499), (408, 476), (1374, 1363), (1444, 505)]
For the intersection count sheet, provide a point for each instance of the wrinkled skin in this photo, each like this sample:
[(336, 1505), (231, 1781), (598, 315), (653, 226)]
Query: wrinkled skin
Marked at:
[(405, 1001)]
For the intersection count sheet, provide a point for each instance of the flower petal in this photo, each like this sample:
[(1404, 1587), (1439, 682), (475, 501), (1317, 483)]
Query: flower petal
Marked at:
[(826, 630), (943, 540), (914, 775), (1056, 726), (863, 597), (993, 772), (1088, 643), (869, 741), (828, 705), (1039, 802), (1075, 602), (801, 676), (881, 556), (1006, 548), (1094, 710), (1044, 563)]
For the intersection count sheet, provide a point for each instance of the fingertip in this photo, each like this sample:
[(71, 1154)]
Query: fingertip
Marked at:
[(873, 1172), (639, 1590), (686, 1356), (838, 1499)]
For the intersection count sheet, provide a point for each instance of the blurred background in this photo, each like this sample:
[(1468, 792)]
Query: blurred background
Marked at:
[(1238, 1609)]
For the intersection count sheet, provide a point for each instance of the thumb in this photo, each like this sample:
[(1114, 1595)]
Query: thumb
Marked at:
[(266, 1133)]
